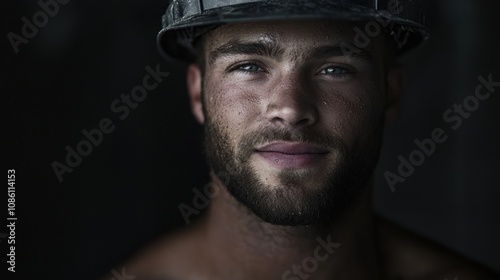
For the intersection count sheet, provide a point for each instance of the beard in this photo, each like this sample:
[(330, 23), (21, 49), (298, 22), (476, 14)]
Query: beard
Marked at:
[(301, 198)]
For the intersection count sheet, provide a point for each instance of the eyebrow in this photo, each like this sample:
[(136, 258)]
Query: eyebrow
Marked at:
[(276, 52), (250, 48), (339, 50)]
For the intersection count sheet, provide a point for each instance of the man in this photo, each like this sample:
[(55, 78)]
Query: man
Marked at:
[(293, 101)]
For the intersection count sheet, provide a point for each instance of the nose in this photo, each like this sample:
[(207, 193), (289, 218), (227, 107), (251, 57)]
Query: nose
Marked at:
[(291, 103)]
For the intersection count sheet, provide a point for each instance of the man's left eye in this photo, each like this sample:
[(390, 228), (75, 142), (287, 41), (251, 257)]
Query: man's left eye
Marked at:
[(333, 70)]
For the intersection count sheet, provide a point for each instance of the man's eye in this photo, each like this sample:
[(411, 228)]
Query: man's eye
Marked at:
[(248, 67), (334, 71)]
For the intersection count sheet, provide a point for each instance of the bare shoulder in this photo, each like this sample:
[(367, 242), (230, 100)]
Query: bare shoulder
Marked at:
[(178, 255), (409, 256)]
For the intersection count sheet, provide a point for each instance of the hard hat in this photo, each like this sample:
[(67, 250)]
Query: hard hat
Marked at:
[(186, 20)]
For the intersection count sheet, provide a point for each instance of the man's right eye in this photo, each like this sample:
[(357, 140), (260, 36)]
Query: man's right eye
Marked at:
[(248, 68)]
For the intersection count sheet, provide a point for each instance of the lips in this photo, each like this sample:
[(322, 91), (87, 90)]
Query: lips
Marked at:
[(289, 155), (290, 148)]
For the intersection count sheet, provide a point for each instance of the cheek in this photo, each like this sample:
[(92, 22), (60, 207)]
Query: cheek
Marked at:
[(232, 105), (353, 111)]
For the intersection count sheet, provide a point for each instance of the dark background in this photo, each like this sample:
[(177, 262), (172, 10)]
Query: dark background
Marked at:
[(127, 191)]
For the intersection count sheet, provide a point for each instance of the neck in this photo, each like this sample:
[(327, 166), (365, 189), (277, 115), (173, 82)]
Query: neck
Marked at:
[(242, 246)]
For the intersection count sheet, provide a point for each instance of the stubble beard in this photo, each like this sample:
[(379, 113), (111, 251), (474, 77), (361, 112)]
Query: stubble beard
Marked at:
[(291, 203)]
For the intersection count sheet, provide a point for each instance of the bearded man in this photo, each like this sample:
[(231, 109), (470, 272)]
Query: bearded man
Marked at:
[(293, 100)]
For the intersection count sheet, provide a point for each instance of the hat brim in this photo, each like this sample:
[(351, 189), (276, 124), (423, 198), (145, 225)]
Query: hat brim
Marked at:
[(175, 45)]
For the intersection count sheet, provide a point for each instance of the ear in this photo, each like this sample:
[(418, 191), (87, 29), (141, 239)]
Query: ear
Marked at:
[(194, 86), (396, 81)]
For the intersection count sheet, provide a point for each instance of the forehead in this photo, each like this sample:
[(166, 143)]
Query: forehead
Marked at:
[(298, 35)]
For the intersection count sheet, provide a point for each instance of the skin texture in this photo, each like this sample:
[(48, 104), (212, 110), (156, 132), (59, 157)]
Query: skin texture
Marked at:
[(301, 98), (294, 92)]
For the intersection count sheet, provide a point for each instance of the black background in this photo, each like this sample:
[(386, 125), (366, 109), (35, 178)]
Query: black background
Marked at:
[(127, 191)]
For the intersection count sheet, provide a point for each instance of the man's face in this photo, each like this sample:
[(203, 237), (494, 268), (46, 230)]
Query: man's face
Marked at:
[(295, 121)]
